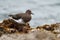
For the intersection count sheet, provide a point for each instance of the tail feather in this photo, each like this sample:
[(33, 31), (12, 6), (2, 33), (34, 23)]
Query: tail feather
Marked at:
[(14, 17)]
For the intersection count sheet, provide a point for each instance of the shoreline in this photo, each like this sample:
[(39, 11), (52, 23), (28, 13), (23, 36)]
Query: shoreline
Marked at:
[(10, 30)]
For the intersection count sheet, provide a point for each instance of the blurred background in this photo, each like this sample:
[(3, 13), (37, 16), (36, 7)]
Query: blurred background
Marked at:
[(45, 11)]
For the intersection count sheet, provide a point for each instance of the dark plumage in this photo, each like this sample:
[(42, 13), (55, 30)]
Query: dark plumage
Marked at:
[(26, 17)]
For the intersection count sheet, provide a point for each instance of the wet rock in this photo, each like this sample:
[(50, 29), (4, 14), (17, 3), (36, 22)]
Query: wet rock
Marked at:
[(2, 31), (48, 27), (57, 28), (25, 30), (39, 27), (0, 24), (11, 26), (45, 32)]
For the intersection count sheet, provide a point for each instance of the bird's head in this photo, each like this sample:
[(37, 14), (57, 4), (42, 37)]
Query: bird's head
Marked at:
[(29, 12)]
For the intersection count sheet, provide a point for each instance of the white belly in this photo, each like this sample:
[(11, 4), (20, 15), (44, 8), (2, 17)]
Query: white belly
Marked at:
[(18, 21)]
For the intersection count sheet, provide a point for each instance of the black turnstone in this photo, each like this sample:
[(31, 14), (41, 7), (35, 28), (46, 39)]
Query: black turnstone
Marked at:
[(22, 17)]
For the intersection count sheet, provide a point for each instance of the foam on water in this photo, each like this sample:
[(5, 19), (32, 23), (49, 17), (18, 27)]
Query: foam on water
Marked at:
[(45, 11)]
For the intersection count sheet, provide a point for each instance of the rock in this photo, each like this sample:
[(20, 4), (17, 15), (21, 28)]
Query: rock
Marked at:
[(48, 27), (45, 32), (39, 27), (2, 31), (10, 24), (0, 24)]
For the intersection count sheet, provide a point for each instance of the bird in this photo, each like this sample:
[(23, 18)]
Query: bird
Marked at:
[(22, 17)]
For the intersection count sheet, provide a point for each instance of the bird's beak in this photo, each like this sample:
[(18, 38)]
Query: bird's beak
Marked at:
[(32, 13)]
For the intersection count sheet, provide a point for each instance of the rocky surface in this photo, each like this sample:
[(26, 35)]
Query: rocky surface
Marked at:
[(11, 30)]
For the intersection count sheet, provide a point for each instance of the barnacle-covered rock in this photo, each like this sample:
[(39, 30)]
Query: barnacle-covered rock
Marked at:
[(11, 26), (45, 32)]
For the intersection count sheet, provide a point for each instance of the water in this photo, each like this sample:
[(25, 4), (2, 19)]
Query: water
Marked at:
[(45, 11)]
